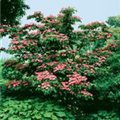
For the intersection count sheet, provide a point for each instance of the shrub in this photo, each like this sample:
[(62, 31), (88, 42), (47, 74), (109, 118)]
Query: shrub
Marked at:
[(54, 59)]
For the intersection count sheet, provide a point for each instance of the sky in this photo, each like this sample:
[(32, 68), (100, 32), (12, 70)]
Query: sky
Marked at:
[(88, 10)]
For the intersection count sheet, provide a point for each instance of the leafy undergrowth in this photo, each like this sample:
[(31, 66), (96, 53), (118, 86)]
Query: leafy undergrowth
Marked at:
[(33, 109)]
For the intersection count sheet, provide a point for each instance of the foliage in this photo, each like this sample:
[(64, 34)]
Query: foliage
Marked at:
[(1, 62), (102, 115), (79, 68), (33, 109), (114, 21), (108, 78), (12, 11), (56, 58), (106, 91), (116, 33)]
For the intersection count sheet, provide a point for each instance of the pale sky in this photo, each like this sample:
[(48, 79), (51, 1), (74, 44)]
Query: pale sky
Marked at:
[(88, 10)]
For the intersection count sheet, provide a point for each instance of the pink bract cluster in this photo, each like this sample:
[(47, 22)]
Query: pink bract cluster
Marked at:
[(28, 25), (75, 78), (76, 17), (60, 15), (52, 63), (92, 23), (14, 84), (85, 93), (45, 75), (45, 85), (1, 30), (60, 67)]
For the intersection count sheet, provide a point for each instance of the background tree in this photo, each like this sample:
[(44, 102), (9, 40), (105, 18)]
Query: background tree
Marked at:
[(12, 11), (114, 24), (114, 21)]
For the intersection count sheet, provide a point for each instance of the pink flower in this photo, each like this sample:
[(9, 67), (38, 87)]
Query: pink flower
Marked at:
[(99, 64), (42, 66), (5, 25), (75, 78), (35, 33), (40, 56), (65, 86), (102, 57), (52, 77), (39, 60), (60, 15), (25, 56), (64, 38), (109, 36), (85, 93), (55, 21), (92, 71), (41, 26), (85, 37), (113, 45), (59, 67), (48, 31), (63, 54), (69, 68), (88, 66), (115, 40), (25, 83), (45, 75), (30, 28), (45, 85), (52, 63), (8, 30), (15, 38), (14, 42), (51, 17), (2, 30), (13, 48), (28, 25), (76, 17), (37, 12), (14, 84), (20, 46)]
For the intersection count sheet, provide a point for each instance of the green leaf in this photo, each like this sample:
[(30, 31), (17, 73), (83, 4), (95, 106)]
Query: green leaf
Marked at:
[(61, 114), (38, 116), (2, 115), (56, 108), (48, 114), (54, 117)]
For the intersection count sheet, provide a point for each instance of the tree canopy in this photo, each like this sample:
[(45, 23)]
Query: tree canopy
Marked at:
[(12, 11), (114, 21)]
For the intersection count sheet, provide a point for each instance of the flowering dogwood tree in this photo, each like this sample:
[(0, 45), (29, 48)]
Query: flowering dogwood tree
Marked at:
[(52, 57)]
